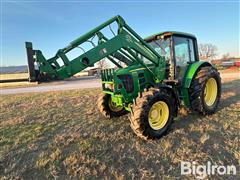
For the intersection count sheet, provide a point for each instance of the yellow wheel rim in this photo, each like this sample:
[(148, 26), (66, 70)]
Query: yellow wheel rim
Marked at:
[(158, 115), (210, 92), (113, 107)]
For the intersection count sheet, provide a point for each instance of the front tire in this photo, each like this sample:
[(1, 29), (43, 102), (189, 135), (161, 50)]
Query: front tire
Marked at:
[(107, 108), (205, 91), (152, 114)]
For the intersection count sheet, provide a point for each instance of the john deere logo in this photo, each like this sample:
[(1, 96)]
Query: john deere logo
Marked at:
[(103, 51), (129, 39)]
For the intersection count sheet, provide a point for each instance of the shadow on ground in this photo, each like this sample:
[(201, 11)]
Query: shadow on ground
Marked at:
[(62, 135)]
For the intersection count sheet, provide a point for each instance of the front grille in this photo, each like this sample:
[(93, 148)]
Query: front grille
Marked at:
[(141, 80), (127, 81), (107, 74)]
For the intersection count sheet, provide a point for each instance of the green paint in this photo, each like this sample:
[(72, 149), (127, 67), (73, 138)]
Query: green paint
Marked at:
[(191, 71), (123, 84)]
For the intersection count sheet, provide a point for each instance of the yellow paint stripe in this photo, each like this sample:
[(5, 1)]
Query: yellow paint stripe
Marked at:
[(137, 69)]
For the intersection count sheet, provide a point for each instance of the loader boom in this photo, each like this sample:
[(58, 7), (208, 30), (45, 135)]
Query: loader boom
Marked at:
[(126, 47), (153, 77)]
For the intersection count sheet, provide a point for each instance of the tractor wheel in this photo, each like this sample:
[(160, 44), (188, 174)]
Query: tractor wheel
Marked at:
[(152, 114), (108, 108), (205, 91)]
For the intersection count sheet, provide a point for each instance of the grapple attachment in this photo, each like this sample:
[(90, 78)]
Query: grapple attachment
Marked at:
[(30, 60)]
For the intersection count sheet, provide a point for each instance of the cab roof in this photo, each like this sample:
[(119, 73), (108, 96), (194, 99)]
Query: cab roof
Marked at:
[(168, 33)]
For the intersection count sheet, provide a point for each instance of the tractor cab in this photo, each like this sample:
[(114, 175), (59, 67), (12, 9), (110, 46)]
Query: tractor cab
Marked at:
[(178, 49)]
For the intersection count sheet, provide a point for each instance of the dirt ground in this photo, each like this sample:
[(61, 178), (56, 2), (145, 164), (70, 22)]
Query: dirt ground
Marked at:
[(62, 135)]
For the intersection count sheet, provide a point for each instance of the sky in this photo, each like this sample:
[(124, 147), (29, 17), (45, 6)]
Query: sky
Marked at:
[(52, 25)]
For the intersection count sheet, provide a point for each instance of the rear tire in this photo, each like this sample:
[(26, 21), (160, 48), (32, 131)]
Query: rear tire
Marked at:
[(205, 91), (142, 121), (107, 108)]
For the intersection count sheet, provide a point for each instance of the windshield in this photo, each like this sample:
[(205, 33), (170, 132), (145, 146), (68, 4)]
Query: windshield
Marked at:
[(162, 47)]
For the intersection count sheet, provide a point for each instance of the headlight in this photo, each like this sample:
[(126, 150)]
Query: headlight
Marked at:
[(109, 86)]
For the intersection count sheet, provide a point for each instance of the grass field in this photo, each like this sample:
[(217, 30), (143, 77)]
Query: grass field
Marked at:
[(26, 75), (15, 84), (24, 83), (13, 76), (62, 135)]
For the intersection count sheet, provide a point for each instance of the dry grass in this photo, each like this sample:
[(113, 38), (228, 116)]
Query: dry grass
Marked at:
[(26, 75), (13, 76), (25, 83), (17, 84), (62, 135)]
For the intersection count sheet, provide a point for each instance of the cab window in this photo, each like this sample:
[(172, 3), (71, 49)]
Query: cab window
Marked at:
[(184, 51), (162, 47)]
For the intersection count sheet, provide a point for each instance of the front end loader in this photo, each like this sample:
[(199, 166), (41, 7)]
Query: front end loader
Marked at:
[(150, 80)]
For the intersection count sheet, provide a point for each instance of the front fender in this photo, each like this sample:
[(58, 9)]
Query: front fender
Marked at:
[(191, 71)]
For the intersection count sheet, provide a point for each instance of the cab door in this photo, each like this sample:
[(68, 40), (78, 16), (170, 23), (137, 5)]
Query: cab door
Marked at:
[(184, 54)]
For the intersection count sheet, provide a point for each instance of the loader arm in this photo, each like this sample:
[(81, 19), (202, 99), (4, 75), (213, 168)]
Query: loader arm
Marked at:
[(125, 47)]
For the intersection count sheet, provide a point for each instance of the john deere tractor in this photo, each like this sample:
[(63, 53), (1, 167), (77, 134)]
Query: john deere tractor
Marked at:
[(150, 80)]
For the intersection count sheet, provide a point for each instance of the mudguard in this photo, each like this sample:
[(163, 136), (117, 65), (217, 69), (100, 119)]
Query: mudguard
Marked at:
[(191, 71)]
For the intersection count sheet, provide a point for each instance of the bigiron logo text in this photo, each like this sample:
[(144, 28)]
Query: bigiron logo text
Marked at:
[(202, 171)]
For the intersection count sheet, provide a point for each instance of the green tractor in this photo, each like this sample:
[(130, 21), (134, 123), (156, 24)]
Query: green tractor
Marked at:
[(152, 77)]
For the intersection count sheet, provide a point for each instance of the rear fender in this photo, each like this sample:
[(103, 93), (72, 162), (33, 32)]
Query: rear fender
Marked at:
[(190, 74)]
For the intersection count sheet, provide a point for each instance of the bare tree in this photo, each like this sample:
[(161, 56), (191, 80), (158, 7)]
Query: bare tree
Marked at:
[(226, 56), (207, 51), (102, 64)]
